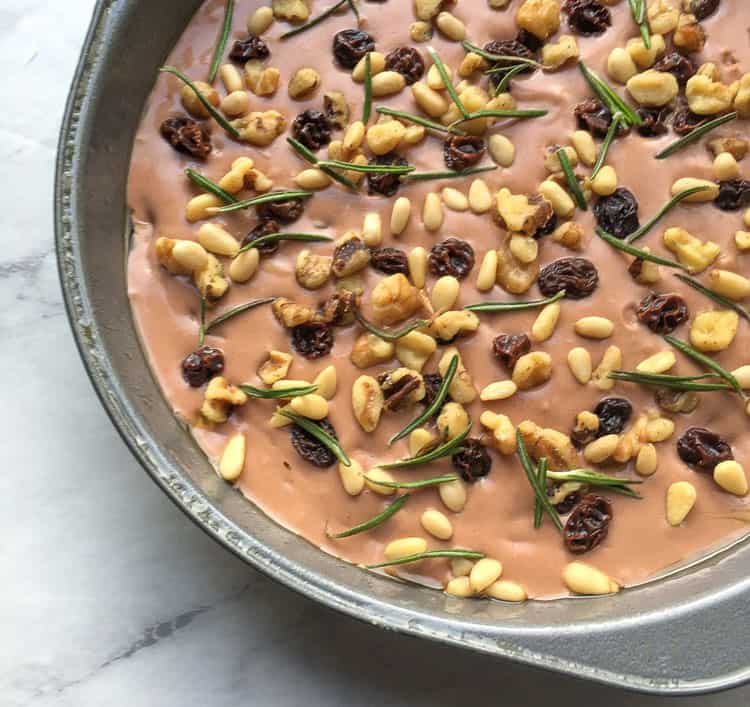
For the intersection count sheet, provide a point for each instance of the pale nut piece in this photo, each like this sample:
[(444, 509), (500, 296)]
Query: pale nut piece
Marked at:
[(660, 362), (435, 80), (585, 147), (503, 431), (681, 497), (377, 64), (295, 11), (714, 331), (659, 430), (370, 350), (461, 566), (484, 573), (189, 256), (653, 88), (420, 31), (375, 475), (710, 192), (611, 361), (445, 292), (367, 402), (742, 240), (414, 135), (400, 216), (312, 271), (620, 65), (461, 388), (569, 234), (499, 390), (419, 440), (524, 249), (644, 57), (726, 167), (235, 104), (480, 198), (562, 203), (505, 590), (450, 26), (232, 461), (518, 214), (303, 83), (581, 578), (708, 97), (354, 137), (726, 283), (387, 83), (557, 54), (404, 547), (415, 349), (487, 273), (311, 406), (470, 64), (459, 587), (394, 299), (260, 129), (192, 103), (691, 251), (579, 362), (432, 212), (742, 375), (647, 460), (262, 81), (220, 398), (453, 420), (201, 207), (372, 230), (210, 280), (313, 179), (601, 449), (383, 138), (731, 477), (430, 101), (260, 21), (453, 495), (605, 182), (276, 367), (594, 327), (352, 477), (544, 325), (436, 524), (540, 17), (502, 150), (453, 323), (662, 16), (290, 314), (217, 240), (350, 255), (552, 159), (454, 199), (244, 266), (532, 370), (427, 10)]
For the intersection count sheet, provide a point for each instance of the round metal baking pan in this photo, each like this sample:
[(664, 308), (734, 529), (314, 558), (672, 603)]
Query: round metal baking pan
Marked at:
[(687, 633)]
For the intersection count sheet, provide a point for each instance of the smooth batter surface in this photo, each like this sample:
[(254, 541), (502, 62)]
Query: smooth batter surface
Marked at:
[(497, 519)]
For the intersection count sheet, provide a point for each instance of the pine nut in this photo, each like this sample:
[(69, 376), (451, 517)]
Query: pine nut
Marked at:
[(611, 361), (454, 199), (378, 474), (260, 20), (470, 64), (400, 215), (232, 460), (729, 284), (660, 362), (502, 150), (605, 182), (562, 203), (585, 147), (459, 587), (377, 64), (372, 230), (681, 497), (453, 495), (659, 430), (451, 26), (311, 406), (327, 381), (231, 78), (190, 255), (620, 65), (545, 323), (709, 194), (601, 449), (354, 136), (525, 249), (414, 135), (418, 266), (487, 275), (461, 566), (244, 265), (484, 573), (198, 207), (313, 179), (445, 293), (647, 460), (352, 478), (235, 104), (432, 212), (435, 80), (499, 390), (594, 327), (429, 100), (418, 440), (480, 198), (383, 138), (403, 547), (726, 167), (581, 578), (218, 241), (505, 590), (387, 83), (579, 362), (731, 477), (436, 524)]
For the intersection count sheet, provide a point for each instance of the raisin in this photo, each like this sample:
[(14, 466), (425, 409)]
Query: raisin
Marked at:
[(617, 213), (510, 48), (548, 227), (703, 449), (312, 340), (408, 62), (252, 47), (396, 392), (613, 414), (473, 461), (568, 503), (508, 348), (350, 45), (311, 449), (662, 313), (653, 121), (202, 365), (451, 257), (529, 40), (587, 17), (188, 136), (266, 227), (312, 129), (463, 151), (733, 194), (577, 276), (389, 261), (678, 65), (593, 115), (588, 524), (282, 211), (703, 8), (338, 309), (385, 184), (685, 121), (432, 383)]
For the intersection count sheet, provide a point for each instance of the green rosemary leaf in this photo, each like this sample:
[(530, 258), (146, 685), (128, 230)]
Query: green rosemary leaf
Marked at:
[(389, 334), (430, 411), (504, 82), (367, 168), (319, 433), (637, 252), (303, 151), (448, 449), (218, 117), (430, 554), (209, 186), (353, 6), (367, 107), (681, 383), (529, 113), (496, 58), (540, 494), (617, 118), (705, 361), (379, 519), (541, 476), (514, 306), (226, 28), (274, 394), (276, 237), (315, 20), (416, 119), (274, 197), (715, 296), (235, 311), (611, 99), (447, 81), (694, 135), (638, 8), (202, 326), (595, 478), (423, 483), (676, 199), (575, 187), (446, 174)]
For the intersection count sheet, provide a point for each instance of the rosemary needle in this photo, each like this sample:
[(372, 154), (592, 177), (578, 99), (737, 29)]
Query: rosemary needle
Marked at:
[(379, 519), (235, 311), (705, 361), (209, 186), (430, 554), (367, 108), (446, 174), (448, 449), (715, 296), (416, 119), (389, 334), (277, 394), (514, 306), (448, 83), (276, 197), (531, 472), (609, 137), (570, 177), (637, 252), (422, 483), (694, 135), (315, 430), (497, 58), (315, 20), (226, 28), (676, 199), (276, 237)]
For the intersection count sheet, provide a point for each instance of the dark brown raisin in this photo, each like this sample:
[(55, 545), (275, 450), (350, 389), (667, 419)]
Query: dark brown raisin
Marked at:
[(312, 129), (350, 45), (587, 17), (617, 213), (473, 462), (282, 211), (187, 136), (311, 449), (577, 276), (568, 503), (662, 313), (613, 414), (509, 48), (463, 151), (508, 348), (703, 449), (312, 340), (548, 227), (202, 365), (588, 524), (432, 383), (338, 309), (389, 261), (703, 8), (264, 228), (676, 64), (593, 115), (451, 257), (733, 194), (396, 392), (408, 62), (385, 184), (252, 47), (685, 121), (653, 121), (529, 40)]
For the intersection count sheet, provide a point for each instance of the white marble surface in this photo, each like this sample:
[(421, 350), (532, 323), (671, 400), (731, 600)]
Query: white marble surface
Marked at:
[(108, 595)]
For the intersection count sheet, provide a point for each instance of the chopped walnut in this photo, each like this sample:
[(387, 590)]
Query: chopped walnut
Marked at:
[(394, 299), (519, 214), (220, 399)]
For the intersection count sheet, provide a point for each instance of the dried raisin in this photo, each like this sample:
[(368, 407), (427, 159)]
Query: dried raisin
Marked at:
[(389, 261), (577, 276), (266, 227), (733, 194), (313, 340), (678, 65), (473, 462), (703, 8), (508, 348), (588, 524), (463, 151), (408, 62), (617, 214), (703, 449), (662, 313), (613, 414), (310, 448), (251, 47), (432, 383), (282, 211), (593, 115), (200, 366), (451, 257), (653, 121), (568, 503), (350, 45), (385, 184), (587, 17), (685, 121), (511, 48), (338, 309), (188, 136), (312, 129)]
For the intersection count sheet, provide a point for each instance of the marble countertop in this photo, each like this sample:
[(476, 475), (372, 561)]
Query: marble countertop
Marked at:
[(109, 596)]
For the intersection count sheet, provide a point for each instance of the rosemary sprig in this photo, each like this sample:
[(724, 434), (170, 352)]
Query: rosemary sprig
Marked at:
[(662, 380), (226, 28), (637, 252), (389, 334), (707, 362), (416, 119), (514, 306), (235, 311), (274, 394), (202, 325), (430, 554), (595, 478), (379, 519), (276, 237), (540, 493), (676, 199), (541, 476), (315, 20), (319, 433), (274, 197), (368, 168), (446, 174), (421, 484), (367, 107), (608, 96), (218, 117), (528, 113), (209, 186), (638, 8), (575, 187), (694, 135), (437, 403), (617, 118), (447, 449), (310, 157), (509, 73), (715, 296), (497, 58), (448, 83)]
